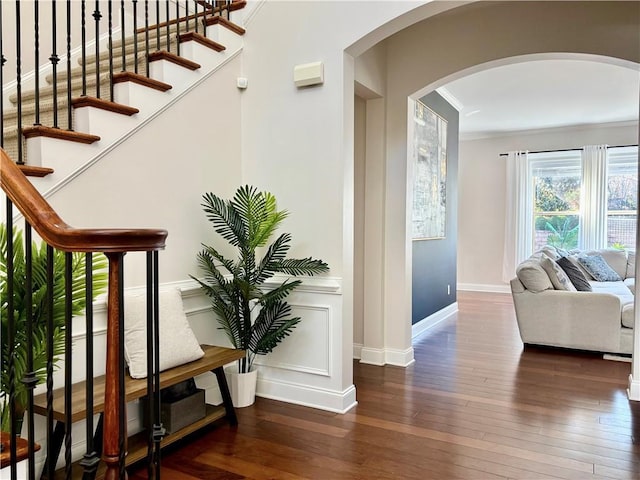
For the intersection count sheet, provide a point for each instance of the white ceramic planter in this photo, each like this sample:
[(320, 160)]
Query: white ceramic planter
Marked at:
[(242, 386)]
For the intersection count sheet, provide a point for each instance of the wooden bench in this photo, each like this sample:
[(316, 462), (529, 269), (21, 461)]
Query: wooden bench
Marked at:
[(215, 358)]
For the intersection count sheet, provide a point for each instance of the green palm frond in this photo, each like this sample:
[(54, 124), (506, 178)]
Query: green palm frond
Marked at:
[(272, 325), (226, 220), (253, 317), (301, 266), (39, 306), (281, 292), (276, 253)]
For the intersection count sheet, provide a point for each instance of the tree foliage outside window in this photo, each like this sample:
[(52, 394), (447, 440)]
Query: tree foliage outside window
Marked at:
[(557, 203)]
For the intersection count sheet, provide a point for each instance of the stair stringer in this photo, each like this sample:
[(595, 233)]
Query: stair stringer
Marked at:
[(70, 161)]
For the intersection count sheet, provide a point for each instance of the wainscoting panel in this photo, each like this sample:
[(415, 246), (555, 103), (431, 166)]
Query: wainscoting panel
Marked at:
[(294, 353)]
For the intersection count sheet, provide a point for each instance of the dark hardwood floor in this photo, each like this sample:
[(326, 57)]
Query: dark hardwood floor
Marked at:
[(473, 406)]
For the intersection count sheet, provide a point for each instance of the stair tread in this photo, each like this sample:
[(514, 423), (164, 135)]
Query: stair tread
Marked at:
[(173, 58), (59, 133), (32, 171), (61, 88), (220, 20), (141, 80), (202, 40)]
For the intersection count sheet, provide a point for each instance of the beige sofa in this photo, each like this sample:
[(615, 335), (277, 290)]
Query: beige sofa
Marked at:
[(601, 320)]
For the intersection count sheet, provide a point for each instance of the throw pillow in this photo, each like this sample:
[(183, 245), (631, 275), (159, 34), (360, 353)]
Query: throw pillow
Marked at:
[(558, 277), (575, 275), (599, 268), (533, 276), (178, 344)]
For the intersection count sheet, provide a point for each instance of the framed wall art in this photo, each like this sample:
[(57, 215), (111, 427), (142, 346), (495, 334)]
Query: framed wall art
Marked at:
[(429, 173)]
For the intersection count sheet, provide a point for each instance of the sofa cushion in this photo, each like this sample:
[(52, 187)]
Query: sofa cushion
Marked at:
[(533, 276), (615, 258), (631, 264), (575, 275), (557, 275), (599, 269), (630, 283), (628, 316), (619, 289)]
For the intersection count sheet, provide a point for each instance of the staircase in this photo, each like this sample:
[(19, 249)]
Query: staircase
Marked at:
[(61, 118), (92, 96)]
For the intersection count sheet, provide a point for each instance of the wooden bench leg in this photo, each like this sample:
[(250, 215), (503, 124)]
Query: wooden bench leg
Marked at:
[(226, 396)]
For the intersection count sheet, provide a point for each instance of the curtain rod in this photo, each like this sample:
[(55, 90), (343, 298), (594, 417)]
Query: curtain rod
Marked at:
[(570, 149)]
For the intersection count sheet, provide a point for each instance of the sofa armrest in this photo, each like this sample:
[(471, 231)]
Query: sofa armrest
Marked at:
[(580, 320)]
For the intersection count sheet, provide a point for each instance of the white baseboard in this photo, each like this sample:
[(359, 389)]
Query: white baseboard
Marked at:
[(481, 287), (432, 320), (633, 392), (330, 400), (400, 358), (372, 356), (357, 351), (386, 356), (616, 358)]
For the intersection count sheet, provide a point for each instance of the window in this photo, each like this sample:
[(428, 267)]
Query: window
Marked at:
[(622, 201), (557, 180)]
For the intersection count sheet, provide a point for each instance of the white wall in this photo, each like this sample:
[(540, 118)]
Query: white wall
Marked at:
[(157, 177), (481, 187), (298, 144)]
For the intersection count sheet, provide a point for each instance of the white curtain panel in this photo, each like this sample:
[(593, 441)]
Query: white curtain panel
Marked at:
[(518, 231), (593, 197)]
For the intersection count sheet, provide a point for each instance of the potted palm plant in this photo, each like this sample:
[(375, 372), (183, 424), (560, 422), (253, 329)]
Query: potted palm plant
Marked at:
[(255, 316), (39, 312)]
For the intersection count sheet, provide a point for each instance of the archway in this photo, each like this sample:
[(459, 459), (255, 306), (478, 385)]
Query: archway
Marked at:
[(433, 51)]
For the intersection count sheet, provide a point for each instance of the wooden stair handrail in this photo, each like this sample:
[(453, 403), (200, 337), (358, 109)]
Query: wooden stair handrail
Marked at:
[(57, 233)]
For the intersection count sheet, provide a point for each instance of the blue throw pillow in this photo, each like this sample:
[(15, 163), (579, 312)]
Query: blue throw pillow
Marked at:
[(599, 269)]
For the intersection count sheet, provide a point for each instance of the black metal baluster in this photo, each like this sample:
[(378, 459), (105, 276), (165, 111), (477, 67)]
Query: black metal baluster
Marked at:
[(54, 63), (11, 339), (135, 36), (122, 36), (151, 416), (178, 27), (166, 13), (186, 15), (30, 380), (97, 16), (110, 33), (51, 450), (69, 110), (157, 25), (195, 13), (83, 14), (146, 36), (158, 429), (229, 2), (19, 82), (36, 58), (68, 359), (3, 60), (91, 458)]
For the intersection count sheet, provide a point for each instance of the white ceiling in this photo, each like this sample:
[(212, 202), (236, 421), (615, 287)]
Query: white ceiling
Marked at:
[(544, 94)]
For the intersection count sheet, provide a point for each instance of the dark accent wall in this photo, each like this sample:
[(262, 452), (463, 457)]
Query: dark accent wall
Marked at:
[(434, 261)]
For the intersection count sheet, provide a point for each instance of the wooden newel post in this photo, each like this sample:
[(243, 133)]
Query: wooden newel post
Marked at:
[(114, 450)]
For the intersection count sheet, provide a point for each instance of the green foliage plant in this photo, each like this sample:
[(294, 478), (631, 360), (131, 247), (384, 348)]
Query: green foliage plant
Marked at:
[(254, 316), (39, 311), (564, 232)]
